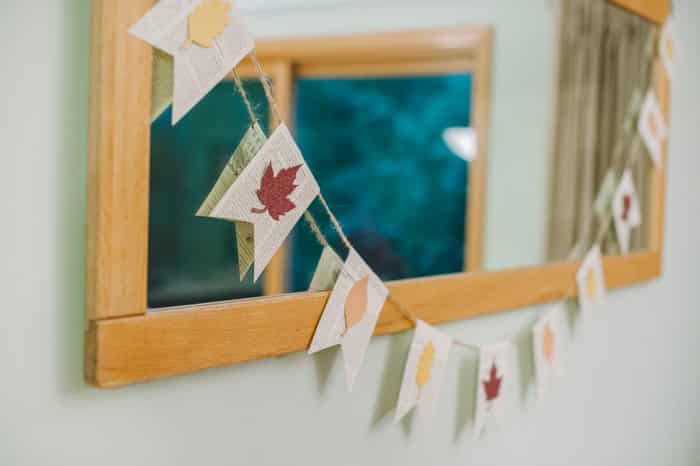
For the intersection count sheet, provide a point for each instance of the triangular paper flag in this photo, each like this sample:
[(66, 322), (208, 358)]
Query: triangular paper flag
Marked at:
[(547, 348), (652, 127), (603, 200), (198, 67), (493, 376), (271, 193), (424, 372), (590, 279), (668, 47), (327, 271), (252, 142), (626, 211), (351, 314)]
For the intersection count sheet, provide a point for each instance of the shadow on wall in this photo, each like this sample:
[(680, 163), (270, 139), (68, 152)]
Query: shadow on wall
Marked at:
[(71, 156)]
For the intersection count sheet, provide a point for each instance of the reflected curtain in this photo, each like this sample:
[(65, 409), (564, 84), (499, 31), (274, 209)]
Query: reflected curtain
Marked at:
[(604, 63)]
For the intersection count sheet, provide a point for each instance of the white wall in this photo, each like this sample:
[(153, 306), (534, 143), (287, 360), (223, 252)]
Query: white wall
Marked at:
[(630, 396)]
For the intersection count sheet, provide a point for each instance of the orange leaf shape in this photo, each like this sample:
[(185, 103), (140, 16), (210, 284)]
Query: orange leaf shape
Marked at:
[(653, 128), (356, 303), (208, 21), (548, 343), (275, 190), (492, 386), (425, 366)]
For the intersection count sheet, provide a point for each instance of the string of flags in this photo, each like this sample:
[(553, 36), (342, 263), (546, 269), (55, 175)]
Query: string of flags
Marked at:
[(266, 187)]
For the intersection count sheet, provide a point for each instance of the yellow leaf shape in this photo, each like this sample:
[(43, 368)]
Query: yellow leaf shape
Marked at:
[(590, 284), (356, 303), (548, 343), (425, 366), (668, 44), (208, 21)]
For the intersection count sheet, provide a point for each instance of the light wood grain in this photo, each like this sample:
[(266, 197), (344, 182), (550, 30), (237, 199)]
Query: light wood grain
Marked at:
[(653, 10), (481, 122), (118, 163), (136, 349), (387, 68), (375, 48)]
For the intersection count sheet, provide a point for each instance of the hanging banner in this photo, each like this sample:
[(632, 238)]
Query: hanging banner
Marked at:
[(627, 214), (206, 39), (252, 142), (492, 376), (667, 47), (326, 274), (424, 372), (351, 314), (547, 347), (590, 280), (652, 127), (271, 193)]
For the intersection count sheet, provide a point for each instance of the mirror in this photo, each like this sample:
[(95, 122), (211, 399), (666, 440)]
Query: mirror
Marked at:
[(393, 144)]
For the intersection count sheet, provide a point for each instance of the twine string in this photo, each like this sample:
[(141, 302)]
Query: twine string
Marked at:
[(238, 84), (622, 146), (266, 82)]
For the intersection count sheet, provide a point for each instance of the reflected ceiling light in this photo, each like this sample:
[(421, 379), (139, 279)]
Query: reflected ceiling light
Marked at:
[(461, 141)]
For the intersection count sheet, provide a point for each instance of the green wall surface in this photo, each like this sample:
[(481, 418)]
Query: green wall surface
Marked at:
[(630, 395)]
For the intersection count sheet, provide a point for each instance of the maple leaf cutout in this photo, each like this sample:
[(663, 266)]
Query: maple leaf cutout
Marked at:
[(208, 21), (626, 205), (274, 191), (492, 386), (356, 303), (425, 366), (548, 343)]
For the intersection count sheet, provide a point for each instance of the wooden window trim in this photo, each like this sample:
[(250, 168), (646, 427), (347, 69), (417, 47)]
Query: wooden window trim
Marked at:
[(124, 344)]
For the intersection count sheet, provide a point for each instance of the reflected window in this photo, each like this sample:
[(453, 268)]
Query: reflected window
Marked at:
[(377, 149), (193, 259)]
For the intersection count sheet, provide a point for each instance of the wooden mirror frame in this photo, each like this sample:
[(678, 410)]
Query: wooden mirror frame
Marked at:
[(124, 344)]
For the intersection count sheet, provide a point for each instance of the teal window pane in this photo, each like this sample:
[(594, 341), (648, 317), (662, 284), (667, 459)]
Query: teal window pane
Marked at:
[(376, 148), (191, 259)]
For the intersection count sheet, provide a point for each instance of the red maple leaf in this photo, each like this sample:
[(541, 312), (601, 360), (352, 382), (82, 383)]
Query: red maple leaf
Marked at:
[(626, 205), (274, 191), (493, 385)]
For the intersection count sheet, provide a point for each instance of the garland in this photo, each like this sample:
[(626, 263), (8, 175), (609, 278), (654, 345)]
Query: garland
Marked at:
[(357, 295)]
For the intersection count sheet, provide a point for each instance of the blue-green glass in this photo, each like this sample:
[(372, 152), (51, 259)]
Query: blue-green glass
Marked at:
[(376, 148), (193, 259)]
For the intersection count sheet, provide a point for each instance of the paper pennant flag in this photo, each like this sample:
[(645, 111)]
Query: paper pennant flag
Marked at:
[(424, 372), (206, 38), (652, 127), (327, 271), (351, 314), (591, 280), (626, 211), (493, 376), (271, 193), (252, 142), (668, 47), (547, 348), (603, 200)]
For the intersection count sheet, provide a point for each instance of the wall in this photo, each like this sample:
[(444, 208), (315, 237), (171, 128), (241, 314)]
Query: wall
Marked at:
[(630, 396)]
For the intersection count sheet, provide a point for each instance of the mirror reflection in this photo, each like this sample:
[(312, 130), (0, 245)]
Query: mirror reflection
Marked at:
[(392, 144)]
